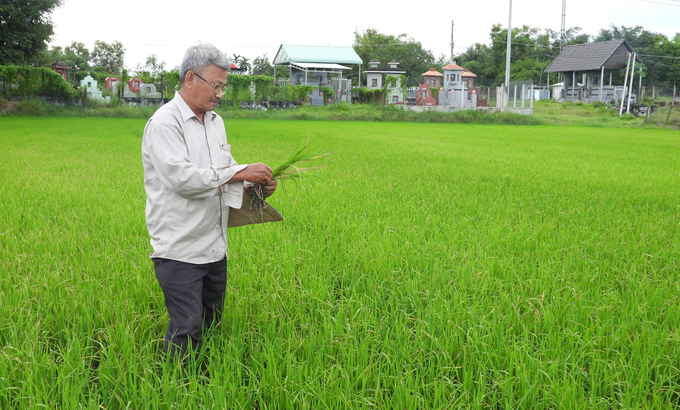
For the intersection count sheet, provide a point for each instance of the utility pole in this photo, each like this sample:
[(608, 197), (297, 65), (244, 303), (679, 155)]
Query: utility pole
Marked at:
[(563, 32), (451, 42), (507, 51)]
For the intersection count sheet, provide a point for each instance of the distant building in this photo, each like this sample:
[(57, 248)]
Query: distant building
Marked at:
[(92, 89), (454, 91), (134, 84), (587, 63), (318, 66), (108, 82), (431, 79), (61, 69), (237, 70), (374, 79)]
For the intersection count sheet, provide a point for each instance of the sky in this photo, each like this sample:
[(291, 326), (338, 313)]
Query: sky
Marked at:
[(167, 27)]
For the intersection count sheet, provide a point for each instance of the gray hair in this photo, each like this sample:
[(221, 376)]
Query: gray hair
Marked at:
[(197, 58)]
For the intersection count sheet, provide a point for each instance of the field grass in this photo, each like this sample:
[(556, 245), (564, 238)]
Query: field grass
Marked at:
[(432, 266), (544, 113)]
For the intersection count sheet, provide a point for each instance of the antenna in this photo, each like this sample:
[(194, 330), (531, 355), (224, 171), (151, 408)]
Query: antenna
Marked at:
[(451, 41), (564, 16)]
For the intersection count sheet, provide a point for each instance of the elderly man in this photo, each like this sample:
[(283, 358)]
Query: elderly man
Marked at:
[(191, 180)]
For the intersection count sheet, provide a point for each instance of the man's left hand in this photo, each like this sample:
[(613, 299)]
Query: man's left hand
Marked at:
[(269, 188)]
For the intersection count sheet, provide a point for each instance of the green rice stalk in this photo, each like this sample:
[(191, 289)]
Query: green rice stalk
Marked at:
[(288, 169)]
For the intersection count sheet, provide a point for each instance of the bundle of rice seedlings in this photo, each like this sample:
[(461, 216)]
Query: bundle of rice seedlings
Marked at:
[(288, 169)]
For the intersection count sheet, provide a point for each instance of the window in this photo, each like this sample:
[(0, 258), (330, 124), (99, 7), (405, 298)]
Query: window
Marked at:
[(595, 80), (374, 82), (395, 99)]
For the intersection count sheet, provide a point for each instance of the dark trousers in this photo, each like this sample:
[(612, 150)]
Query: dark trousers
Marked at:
[(194, 298)]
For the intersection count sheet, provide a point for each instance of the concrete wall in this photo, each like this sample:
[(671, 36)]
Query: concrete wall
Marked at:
[(416, 108)]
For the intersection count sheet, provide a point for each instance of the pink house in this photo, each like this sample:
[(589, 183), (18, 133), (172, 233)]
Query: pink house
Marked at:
[(134, 84), (61, 69), (431, 78)]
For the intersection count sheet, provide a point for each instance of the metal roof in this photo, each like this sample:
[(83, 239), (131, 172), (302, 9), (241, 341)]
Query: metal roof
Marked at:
[(319, 66), (612, 55), (316, 54)]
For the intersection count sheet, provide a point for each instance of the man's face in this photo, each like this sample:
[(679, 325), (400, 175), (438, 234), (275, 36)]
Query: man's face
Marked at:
[(205, 97)]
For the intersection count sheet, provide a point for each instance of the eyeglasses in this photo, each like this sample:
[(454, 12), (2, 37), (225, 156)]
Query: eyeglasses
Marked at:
[(217, 88)]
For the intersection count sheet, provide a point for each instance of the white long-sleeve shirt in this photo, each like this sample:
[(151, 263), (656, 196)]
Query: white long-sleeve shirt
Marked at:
[(186, 165)]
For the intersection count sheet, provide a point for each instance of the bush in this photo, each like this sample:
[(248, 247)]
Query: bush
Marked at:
[(22, 81)]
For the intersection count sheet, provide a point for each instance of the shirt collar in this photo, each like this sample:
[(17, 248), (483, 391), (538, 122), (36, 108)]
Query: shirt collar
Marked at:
[(186, 112)]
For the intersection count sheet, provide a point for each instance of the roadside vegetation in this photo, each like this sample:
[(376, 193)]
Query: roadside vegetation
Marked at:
[(545, 112)]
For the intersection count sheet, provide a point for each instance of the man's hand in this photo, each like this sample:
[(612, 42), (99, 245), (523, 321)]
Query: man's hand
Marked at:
[(269, 188), (259, 173)]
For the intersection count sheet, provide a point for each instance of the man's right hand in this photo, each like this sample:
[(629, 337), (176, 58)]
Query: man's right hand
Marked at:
[(259, 173)]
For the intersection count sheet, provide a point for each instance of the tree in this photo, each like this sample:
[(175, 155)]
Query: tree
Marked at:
[(262, 66), (25, 29), (153, 67), (643, 42), (77, 56), (242, 62), (108, 57), (48, 56), (410, 54)]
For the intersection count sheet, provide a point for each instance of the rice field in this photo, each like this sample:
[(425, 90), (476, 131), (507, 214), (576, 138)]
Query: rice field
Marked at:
[(431, 266)]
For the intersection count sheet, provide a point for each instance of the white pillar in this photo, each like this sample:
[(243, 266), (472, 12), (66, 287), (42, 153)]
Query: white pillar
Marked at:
[(630, 86), (625, 82)]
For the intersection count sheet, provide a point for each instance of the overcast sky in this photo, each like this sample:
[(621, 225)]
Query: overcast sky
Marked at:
[(252, 28)]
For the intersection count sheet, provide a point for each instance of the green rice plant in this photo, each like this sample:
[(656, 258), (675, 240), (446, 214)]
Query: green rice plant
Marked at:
[(438, 266), (288, 169)]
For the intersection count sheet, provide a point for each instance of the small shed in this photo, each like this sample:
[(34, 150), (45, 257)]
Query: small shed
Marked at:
[(590, 62)]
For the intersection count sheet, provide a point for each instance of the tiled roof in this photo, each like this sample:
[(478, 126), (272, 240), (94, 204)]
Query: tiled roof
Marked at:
[(433, 73), (612, 55), (453, 67)]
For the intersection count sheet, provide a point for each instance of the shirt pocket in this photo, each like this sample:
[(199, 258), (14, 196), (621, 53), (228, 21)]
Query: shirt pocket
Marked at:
[(226, 154)]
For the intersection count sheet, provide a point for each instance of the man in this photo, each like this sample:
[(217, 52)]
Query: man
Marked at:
[(191, 180)]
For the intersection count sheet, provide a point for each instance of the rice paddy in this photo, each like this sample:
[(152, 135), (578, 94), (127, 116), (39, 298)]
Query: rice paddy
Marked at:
[(431, 266)]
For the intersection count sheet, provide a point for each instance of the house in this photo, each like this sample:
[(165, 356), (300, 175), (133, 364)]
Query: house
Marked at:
[(237, 70), (374, 79), (454, 91), (91, 87), (431, 79), (134, 84), (318, 66), (61, 69), (108, 82), (469, 79), (587, 63)]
